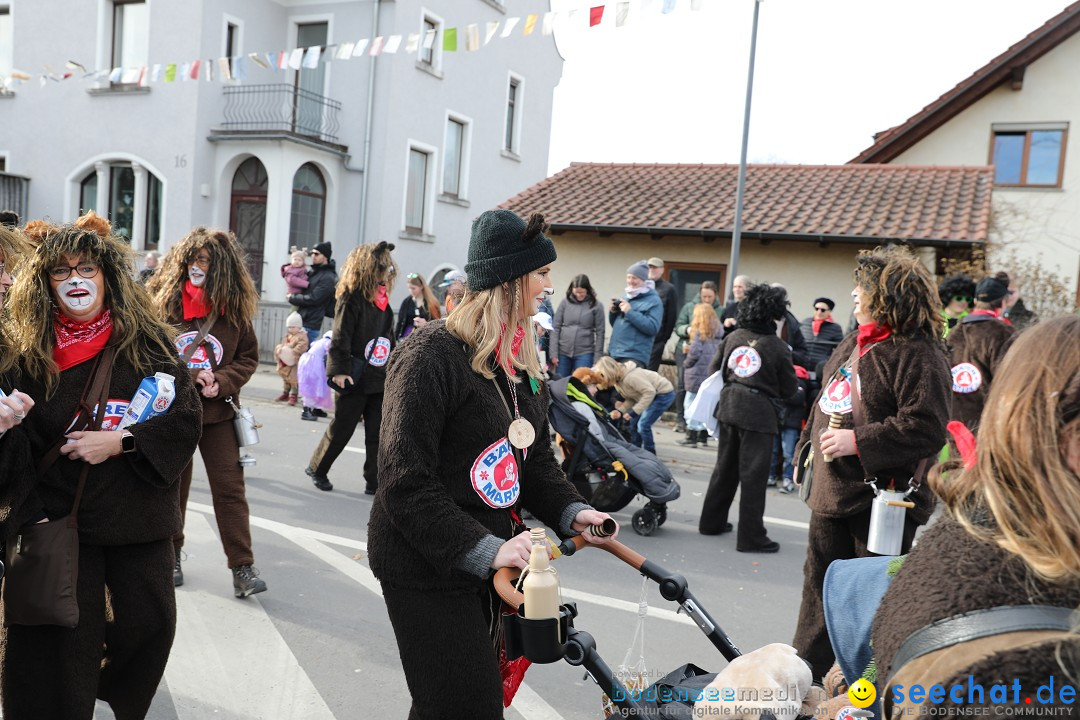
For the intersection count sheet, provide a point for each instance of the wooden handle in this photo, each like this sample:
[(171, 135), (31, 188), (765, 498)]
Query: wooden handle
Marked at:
[(900, 503), (506, 578)]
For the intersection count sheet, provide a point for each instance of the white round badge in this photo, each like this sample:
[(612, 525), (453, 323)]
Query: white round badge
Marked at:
[(836, 397), (744, 361), (966, 378)]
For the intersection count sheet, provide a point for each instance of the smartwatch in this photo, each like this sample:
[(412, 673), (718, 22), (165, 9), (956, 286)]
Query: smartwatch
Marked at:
[(127, 442)]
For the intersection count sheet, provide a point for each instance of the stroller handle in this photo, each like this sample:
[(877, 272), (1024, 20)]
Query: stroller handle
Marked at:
[(505, 579)]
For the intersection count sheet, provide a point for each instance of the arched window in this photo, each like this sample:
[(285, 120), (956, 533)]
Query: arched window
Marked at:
[(308, 207), (111, 188), (247, 215)]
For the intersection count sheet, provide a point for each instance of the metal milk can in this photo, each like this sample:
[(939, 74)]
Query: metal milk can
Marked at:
[(887, 514)]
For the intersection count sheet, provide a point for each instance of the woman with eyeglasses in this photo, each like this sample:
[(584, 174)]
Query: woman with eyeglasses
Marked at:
[(419, 308), (74, 307), (204, 289), (356, 361), (957, 293)]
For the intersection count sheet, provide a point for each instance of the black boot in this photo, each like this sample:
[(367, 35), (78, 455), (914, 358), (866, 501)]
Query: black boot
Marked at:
[(690, 440), (703, 438)]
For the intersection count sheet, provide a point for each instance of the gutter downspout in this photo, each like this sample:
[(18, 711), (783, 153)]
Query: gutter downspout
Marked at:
[(367, 127)]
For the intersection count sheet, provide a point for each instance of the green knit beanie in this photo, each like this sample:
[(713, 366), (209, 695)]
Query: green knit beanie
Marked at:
[(503, 247)]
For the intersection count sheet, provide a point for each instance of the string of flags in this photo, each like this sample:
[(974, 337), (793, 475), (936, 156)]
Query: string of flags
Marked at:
[(472, 38)]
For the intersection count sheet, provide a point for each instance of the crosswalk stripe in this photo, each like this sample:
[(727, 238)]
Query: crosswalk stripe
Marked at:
[(228, 657)]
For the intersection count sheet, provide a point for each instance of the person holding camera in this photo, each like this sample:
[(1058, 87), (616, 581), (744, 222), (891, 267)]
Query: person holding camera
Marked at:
[(356, 361), (635, 318), (205, 290)]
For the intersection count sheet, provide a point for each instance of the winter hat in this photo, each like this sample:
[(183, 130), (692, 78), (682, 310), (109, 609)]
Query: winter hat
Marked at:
[(991, 289), (543, 319), (452, 277), (827, 301), (9, 218), (325, 249), (639, 269), (294, 320), (504, 247)]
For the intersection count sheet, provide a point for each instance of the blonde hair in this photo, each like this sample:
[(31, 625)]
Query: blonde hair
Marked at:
[(367, 267), (14, 246), (611, 371), (434, 311), (138, 335), (487, 321), (704, 324), (228, 286), (1021, 476), (298, 253)]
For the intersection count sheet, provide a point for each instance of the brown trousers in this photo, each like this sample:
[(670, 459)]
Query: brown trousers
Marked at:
[(55, 673), (221, 456), (830, 539)]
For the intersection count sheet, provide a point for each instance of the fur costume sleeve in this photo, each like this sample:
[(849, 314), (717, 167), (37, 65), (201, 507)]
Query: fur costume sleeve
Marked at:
[(234, 375)]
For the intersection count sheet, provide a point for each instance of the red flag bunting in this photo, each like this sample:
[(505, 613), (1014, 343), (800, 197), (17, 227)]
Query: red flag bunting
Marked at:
[(596, 14)]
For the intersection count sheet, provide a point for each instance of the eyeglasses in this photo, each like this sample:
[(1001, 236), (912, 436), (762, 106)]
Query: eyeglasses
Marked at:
[(961, 298), (821, 309), (202, 261), (63, 272)]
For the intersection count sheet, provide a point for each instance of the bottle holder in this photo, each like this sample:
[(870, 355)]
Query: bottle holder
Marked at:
[(540, 641)]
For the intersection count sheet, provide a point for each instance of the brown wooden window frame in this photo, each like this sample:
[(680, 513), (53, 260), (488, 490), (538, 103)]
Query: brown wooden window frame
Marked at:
[(994, 132)]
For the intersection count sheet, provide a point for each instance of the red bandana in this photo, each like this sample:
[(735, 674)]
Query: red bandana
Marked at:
[(77, 342), (194, 301), (515, 348), (819, 322), (870, 333), (382, 300)]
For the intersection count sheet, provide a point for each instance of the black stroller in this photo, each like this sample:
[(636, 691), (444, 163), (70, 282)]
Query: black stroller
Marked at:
[(607, 470)]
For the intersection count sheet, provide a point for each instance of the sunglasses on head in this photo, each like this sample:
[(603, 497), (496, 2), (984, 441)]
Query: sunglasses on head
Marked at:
[(413, 276)]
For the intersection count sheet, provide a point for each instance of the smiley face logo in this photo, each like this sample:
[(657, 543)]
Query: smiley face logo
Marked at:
[(862, 693)]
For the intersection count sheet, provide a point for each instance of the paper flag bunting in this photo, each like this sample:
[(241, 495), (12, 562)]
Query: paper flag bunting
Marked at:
[(596, 14), (309, 59), (696, 4), (429, 39), (296, 58), (208, 66), (223, 68), (114, 77), (155, 73), (509, 25), (170, 72), (622, 11), (259, 61), (392, 44), (669, 6), (360, 47), (129, 76), (413, 43), (142, 77), (472, 38), (185, 72), (72, 65), (376, 46), (492, 28), (344, 51), (549, 23), (530, 24), (449, 40), (239, 69)]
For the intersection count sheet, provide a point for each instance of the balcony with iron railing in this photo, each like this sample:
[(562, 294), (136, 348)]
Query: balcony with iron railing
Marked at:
[(14, 193), (281, 111)]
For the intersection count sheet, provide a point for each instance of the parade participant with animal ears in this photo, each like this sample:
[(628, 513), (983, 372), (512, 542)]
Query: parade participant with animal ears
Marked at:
[(76, 315), (464, 451), (204, 289)]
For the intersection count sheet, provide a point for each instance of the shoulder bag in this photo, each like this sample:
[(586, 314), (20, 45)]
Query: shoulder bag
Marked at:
[(43, 559)]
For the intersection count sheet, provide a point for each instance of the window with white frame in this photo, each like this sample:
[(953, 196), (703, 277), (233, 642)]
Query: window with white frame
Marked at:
[(131, 33), (429, 54), (232, 39), (515, 96), (456, 157), (418, 189), (7, 42)]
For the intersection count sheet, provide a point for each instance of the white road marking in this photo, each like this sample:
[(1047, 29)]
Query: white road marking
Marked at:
[(228, 657)]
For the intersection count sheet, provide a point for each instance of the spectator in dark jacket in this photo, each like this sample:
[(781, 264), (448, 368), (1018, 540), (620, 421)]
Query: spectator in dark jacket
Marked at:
[(784, 445), (787, 329), (669, 296), (821, 332), (418, 308), (577, 337), (322, 279), (635, 318)]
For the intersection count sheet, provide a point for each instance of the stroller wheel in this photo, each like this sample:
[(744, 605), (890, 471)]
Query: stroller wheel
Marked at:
[(644, 521), (660, 511)]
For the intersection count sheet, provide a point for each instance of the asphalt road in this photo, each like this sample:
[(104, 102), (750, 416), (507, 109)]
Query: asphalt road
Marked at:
[(318, 644)]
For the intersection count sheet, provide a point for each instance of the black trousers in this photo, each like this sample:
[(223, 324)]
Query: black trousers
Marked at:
[(656, 355), (55, 673), (742, 460), (348, 411), (680, 386), (830, 539), (446, 652)]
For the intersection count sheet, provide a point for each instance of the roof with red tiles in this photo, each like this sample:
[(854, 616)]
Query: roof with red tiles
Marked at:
[(823, 203), (1008, 67)]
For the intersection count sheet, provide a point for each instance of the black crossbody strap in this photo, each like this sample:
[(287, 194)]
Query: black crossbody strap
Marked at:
[(982, 623), (204, 330)]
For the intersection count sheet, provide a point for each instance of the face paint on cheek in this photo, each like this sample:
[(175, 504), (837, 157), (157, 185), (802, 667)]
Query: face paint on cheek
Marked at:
[(197, 275), (77, 294)]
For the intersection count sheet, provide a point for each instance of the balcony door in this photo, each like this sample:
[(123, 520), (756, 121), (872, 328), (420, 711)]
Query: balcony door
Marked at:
[(310, 83), (247, 218)]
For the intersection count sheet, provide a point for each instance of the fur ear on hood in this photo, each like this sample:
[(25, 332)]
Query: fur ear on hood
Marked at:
[(535, 227)]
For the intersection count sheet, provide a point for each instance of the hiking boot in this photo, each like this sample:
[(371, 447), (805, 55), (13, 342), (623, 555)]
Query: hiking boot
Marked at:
[(308, 415), (245, 581), (177, 571), (703, 438), (282, 397), (319, 412), (321, 481), (690, 440), (728, 527)]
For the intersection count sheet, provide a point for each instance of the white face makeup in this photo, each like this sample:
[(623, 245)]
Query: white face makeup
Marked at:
[(80, 298), (198, 268)]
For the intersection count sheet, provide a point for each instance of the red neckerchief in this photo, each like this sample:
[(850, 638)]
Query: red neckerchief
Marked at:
[(194, 301), (77, 342), (382, 300), (989, 313), (818, 323), (802, 373), (870, 333), (515, 348)]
